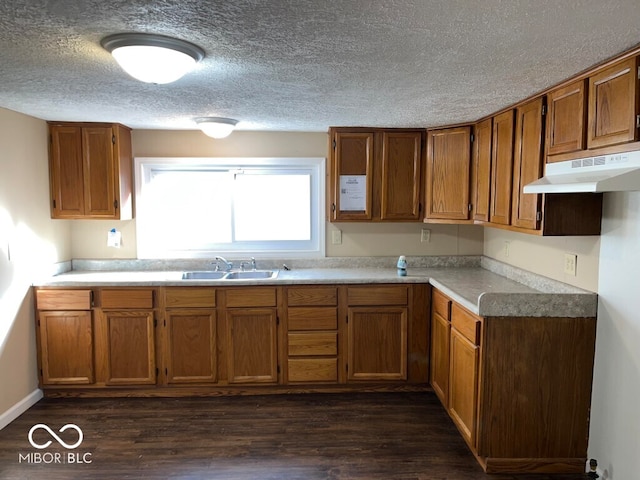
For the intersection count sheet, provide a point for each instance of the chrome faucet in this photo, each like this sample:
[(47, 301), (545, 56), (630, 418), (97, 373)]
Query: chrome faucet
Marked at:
[(252, 262), (227, 265)]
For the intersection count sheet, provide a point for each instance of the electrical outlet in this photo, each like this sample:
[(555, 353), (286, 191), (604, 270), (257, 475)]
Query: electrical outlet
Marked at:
[(336, 237), (425, 235), (570, 263), (505, 248)]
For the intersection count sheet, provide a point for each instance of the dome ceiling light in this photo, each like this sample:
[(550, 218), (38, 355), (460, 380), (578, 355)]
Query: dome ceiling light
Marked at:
[(216, 127), (153, 58)]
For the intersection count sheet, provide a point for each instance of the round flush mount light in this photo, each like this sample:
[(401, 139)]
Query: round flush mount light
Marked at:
[(216, 127), (153, 58)]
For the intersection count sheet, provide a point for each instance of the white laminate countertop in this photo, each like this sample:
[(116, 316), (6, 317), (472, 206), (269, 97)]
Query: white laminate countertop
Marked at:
[(478, 289)]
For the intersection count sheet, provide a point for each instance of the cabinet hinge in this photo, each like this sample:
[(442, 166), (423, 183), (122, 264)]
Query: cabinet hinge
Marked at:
[(334, 144), (538, 216), (638, 73), (40, 372), (113, 139), (54, 203), (277, 320), (473, 137), (419, 207), (347, 318), (155, 322), (38, 322), (470, 207), (166, 372), (278, 368), (544, 110), (347, 367), (115, 204), (157, 371), (637, 121), (50, 138), (164, 323)]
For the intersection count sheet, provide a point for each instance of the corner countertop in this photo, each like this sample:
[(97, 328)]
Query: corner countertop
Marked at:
[(478, 288)]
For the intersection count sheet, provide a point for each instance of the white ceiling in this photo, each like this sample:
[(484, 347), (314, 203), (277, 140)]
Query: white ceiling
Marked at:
[(305, 65)]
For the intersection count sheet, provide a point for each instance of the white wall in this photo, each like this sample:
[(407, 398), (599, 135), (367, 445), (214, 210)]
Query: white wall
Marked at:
[(30, 242), (615, 416)]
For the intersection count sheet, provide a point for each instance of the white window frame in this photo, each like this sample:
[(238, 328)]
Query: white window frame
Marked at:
[(316, 167)]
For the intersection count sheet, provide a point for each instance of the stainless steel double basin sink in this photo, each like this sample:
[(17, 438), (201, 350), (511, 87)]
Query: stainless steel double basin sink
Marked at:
[(234, 275)]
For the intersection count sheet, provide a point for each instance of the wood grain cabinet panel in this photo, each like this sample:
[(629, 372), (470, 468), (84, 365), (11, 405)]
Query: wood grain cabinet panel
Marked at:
[(502, 168), (527, 166), (90, 167), (191, 346), (130, 347), (252, 345), (66, 347), (313, 370), (613, 104), (440, 341), (377, 345), (448, 173), (481, 170), (566, 119)]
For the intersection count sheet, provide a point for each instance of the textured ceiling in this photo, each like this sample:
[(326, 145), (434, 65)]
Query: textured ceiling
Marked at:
[(301, 65)]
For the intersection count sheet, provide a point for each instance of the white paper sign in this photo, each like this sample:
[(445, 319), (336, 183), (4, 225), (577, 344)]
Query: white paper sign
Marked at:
[(353, 193)]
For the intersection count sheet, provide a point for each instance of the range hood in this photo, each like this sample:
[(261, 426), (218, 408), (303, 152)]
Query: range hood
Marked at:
[(618, 172)]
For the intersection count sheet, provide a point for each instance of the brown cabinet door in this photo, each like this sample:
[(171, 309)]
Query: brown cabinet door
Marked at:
[(527, 164), (67, 173), (448, 172), (130, 348), (463, 385), (66, 347), (613, 95), (377, 343), (191, 346), (440, 335), (99, 171), (502, 168), (481, 170), (401, 175), (252, 355), (352, 165), (566, 119)]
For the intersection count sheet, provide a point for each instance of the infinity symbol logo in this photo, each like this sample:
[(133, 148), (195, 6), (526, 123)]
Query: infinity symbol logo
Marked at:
[(58, 439)]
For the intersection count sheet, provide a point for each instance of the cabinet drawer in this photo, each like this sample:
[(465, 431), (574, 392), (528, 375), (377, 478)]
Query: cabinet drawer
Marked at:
[(190, 297), (441, 304), (63, 299), (307, 344), (312, 296), (466, 323), (313, 318), (385, 295), (313, 370), (251, 297), (127, 298)]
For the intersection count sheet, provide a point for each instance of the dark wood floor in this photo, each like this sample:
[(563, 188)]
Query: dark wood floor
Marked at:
[(312, 436)]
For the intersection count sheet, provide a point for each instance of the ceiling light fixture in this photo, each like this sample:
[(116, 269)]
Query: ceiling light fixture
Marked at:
[(216, 127), (152, 58)]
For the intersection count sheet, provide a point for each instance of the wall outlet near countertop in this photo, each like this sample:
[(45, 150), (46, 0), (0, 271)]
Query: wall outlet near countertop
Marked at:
[(336, 237), (505, 248), (425, 235), (570, 263)]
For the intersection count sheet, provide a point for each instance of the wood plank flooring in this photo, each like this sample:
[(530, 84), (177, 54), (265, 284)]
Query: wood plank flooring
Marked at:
[(405, 436)]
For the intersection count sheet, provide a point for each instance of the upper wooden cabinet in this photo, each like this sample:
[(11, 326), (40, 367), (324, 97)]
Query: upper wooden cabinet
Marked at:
[(613, 104), (90, 170), (502, 168), (527, 164), (375, 174), (566, 119), (481, 170), (448, 173)]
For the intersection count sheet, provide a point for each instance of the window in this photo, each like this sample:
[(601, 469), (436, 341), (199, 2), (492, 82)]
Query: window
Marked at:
[(202, 207)]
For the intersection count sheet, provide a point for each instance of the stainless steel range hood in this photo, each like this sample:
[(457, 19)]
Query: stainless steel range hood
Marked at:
[(605, 173)]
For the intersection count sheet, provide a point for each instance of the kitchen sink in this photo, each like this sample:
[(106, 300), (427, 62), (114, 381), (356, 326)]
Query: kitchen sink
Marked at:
[(241, 275), (204, 275), (251, 275)]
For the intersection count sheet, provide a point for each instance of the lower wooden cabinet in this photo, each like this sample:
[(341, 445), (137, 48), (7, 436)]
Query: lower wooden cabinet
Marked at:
[(66, 347), (440, 343), (518, 388)]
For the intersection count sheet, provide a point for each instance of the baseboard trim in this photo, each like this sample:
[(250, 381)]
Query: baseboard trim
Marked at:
[(19, 408)]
